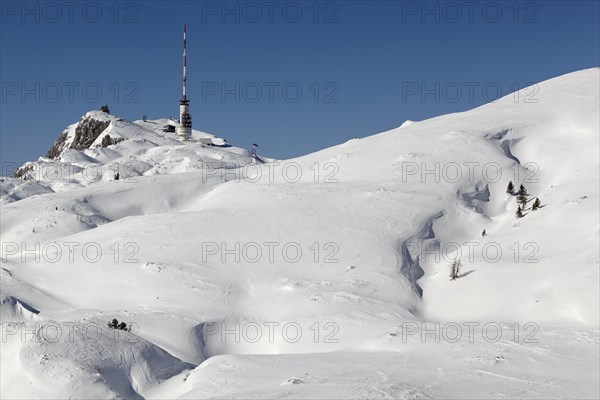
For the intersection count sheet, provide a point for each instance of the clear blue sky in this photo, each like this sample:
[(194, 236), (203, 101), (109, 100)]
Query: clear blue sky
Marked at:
[(362, 66)]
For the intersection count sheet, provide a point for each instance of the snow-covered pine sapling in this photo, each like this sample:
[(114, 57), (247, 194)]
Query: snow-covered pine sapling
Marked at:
[(510, 188), (536, 204), (455, 269), (483, 233), (519, 212)]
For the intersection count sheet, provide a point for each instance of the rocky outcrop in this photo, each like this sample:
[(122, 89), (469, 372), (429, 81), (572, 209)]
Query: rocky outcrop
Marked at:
[(58, 146), (86, 132)]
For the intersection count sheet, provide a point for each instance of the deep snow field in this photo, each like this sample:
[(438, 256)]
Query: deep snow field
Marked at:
[(324, 276)]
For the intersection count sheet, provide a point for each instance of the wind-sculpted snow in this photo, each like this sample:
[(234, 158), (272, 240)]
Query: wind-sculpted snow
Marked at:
[(12, 189), (317, 277), (94, 361)]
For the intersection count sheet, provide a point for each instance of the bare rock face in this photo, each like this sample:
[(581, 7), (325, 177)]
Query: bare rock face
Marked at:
[(58, 146), (86, 132), (106, 141), (22, 171)]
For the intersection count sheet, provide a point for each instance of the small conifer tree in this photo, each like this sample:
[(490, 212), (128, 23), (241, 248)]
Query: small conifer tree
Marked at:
[(483, 233), (522, 190), (510, 188), (519, 212), (522, 196), (114, 324), (455, 269), (536, 204)]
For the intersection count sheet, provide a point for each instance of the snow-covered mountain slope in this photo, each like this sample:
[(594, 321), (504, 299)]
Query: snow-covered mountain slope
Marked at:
[(313, 277), (100, 145)]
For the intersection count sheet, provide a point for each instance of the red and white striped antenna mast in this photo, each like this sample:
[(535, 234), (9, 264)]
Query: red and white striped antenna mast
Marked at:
[(184, 62), (185, 119)]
